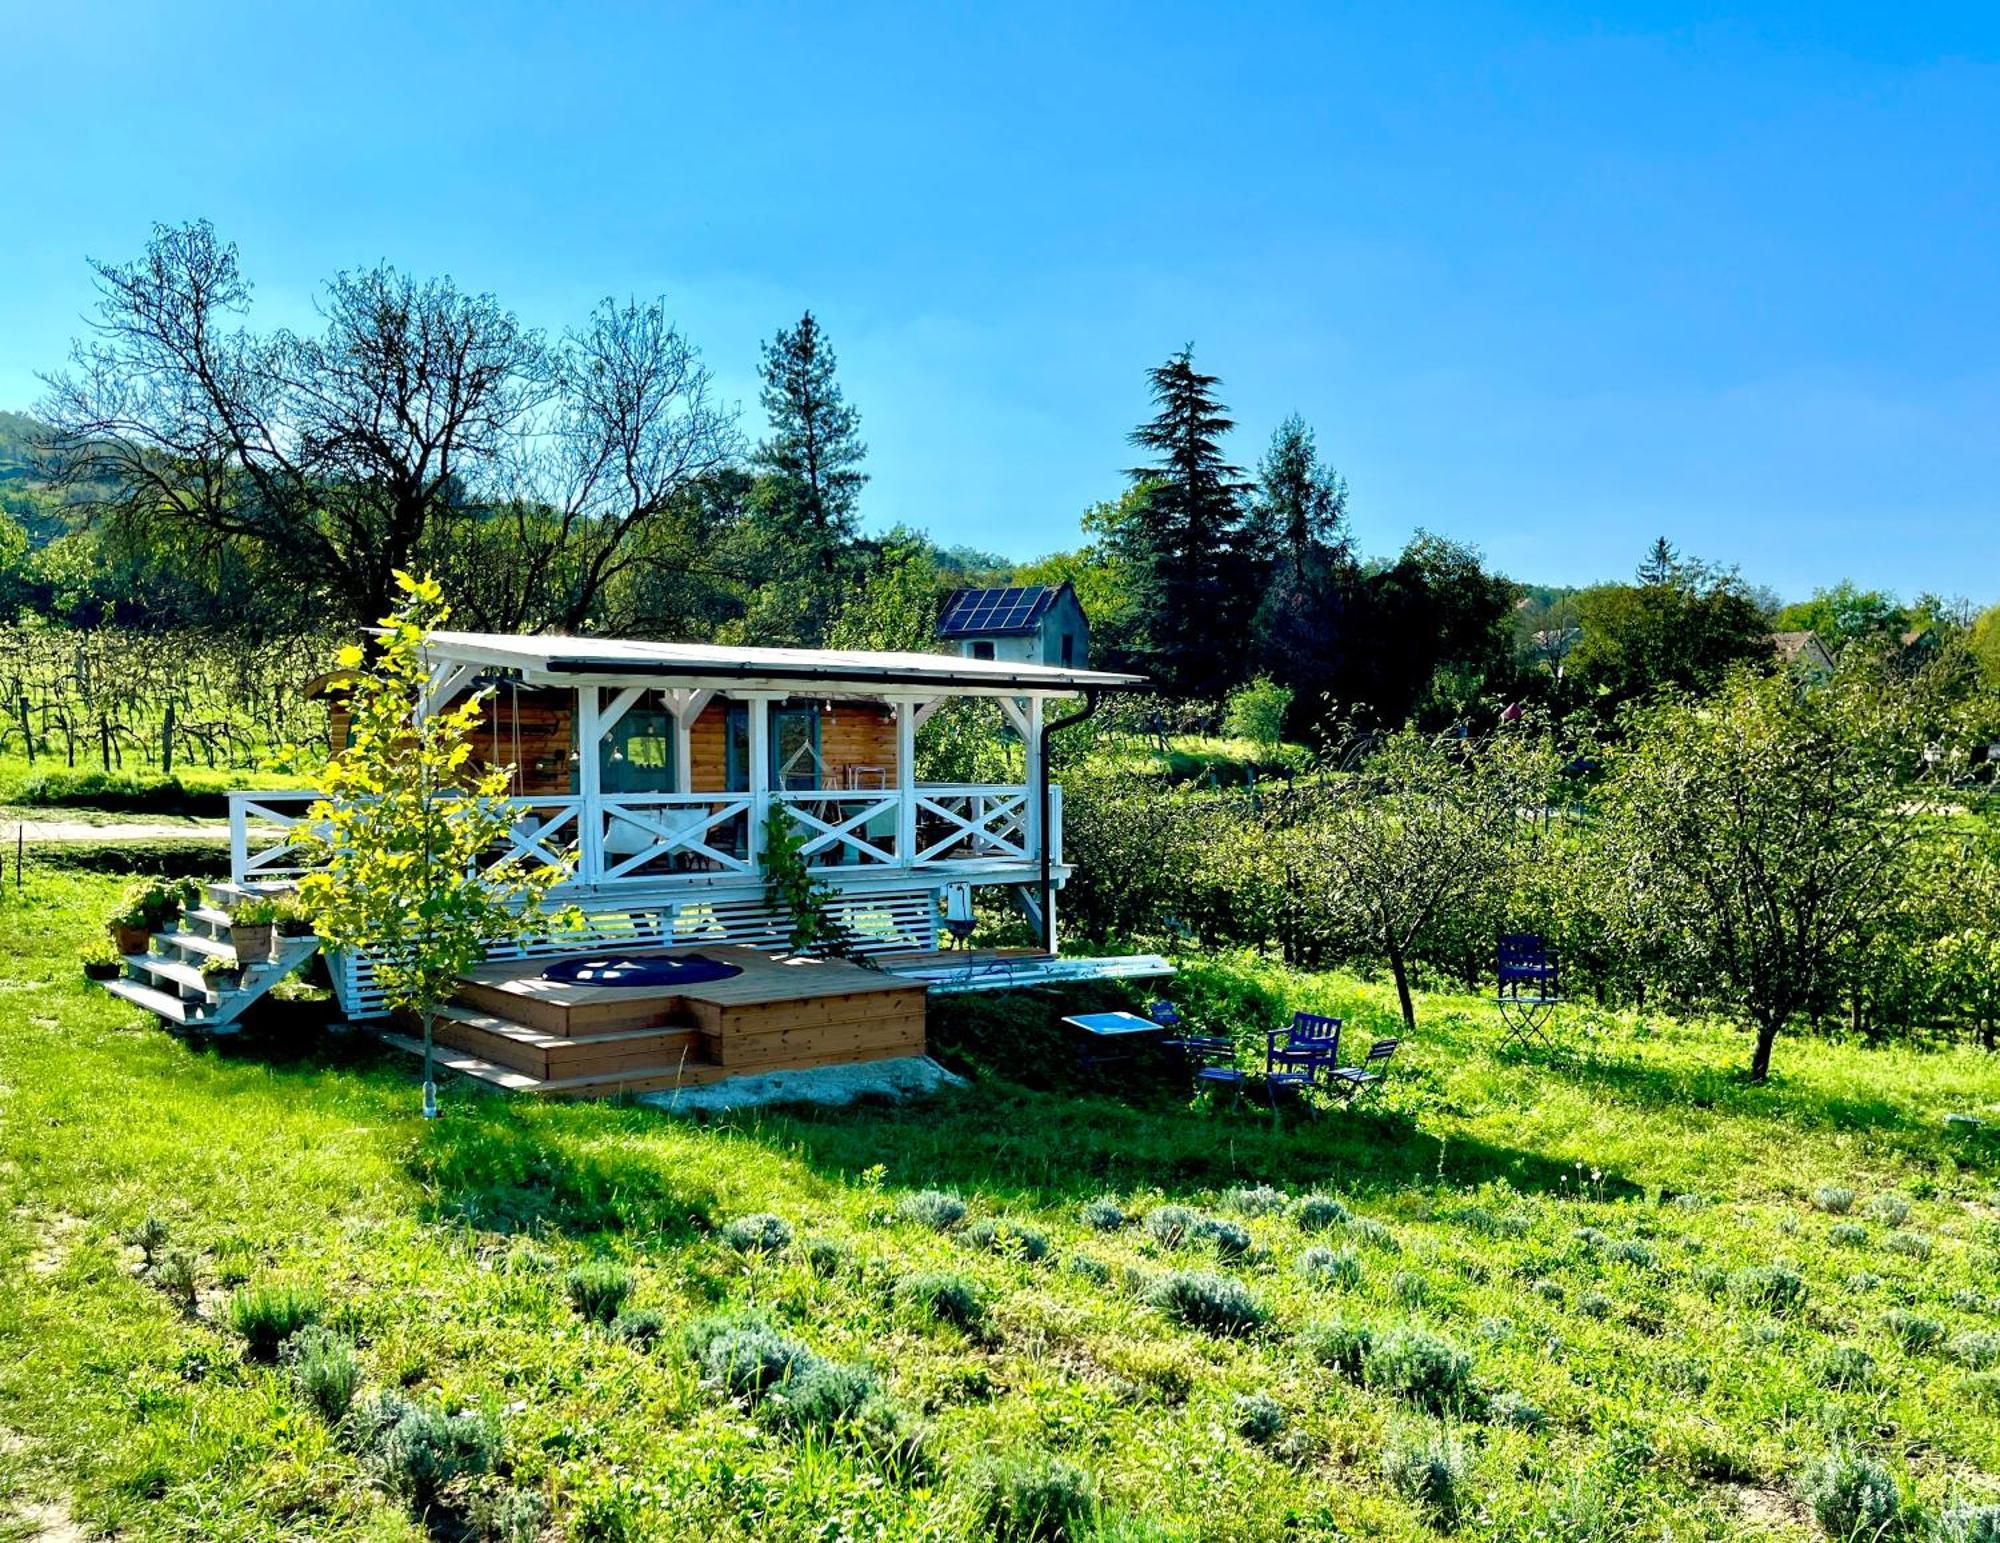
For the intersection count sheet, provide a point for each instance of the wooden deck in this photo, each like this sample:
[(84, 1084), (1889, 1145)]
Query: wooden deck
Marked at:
[(516, 1030)]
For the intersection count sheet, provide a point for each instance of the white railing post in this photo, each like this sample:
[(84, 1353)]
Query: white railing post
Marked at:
[(239, 840), (589, 787), (1055, 822), (906, 783)]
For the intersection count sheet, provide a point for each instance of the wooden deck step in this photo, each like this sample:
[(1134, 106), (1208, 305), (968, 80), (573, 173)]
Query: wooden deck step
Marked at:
[(179, 971), (210, 916), (541, 1054), (506, 1079), (195, 943), (168, 1006)]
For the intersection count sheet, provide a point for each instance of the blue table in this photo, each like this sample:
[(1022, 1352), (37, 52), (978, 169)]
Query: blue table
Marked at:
[(1105, 1038)]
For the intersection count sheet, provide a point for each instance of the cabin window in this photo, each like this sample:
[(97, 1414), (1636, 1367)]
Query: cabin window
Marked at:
[(983, 649), (794, 751), (637, 756)]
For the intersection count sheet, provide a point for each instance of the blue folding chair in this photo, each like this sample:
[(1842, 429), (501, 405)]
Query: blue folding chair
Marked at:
[(1529, 988), (1295, 1057)]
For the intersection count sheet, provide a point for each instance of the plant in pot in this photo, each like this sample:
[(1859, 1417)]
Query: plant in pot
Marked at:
[(102, 961), (148, 908), (220, 974), (251, 928), (291, 918)]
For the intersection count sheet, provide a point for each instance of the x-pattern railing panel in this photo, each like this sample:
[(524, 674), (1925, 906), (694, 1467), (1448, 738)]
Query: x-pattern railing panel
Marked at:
[(834, 831), (538, 834), (993, 823), (679, 826)]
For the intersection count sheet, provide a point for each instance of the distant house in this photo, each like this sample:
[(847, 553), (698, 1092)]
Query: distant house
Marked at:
[(1804, 652), (1025, 624)]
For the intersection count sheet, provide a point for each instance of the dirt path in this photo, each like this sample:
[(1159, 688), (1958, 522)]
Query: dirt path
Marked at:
[(130, 830)]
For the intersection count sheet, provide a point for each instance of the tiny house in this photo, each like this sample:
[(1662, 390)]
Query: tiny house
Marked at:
[(651, 770)]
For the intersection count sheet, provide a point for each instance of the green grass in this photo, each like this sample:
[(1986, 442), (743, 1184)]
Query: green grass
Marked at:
[(133, 789), (1197, 757), (1592, 1296)]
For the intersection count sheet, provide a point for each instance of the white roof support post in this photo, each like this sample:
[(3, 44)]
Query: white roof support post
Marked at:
[(906, 780), (1027, 718), (759, 773), (686, 706), (589, 787)]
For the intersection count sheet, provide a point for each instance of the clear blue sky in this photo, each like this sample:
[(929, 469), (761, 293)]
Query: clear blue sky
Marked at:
[(1547, 281)]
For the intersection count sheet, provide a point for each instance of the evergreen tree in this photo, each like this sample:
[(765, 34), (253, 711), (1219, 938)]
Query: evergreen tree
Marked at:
[(1300, 501), (1662, 564), (808, 487), (1189, 546)]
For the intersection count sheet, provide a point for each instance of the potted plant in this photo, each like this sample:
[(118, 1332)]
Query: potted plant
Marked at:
[(128, 927), (251, 926), (103, 963), (220, 974), (148, 908), (292, 920)]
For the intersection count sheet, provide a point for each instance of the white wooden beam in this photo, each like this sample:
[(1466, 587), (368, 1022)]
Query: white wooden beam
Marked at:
[(608, 716), (906, 779), (589, 785), (758, 773), (446, 681)]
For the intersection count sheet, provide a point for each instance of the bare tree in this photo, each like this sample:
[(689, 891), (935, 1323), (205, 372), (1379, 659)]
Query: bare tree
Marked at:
[(612, 483), (421, 426)]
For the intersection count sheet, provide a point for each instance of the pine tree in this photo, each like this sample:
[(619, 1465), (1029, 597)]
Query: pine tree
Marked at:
[(1300, 501), (1189, 546), (809, 485), (1662, 564)]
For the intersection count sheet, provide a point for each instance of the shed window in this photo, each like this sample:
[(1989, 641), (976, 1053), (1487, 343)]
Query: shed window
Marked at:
[(1069, 650), (982, 649)]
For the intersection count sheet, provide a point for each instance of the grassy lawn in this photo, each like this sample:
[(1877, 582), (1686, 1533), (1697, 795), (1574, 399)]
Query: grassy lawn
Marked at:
[(1613, 1294)]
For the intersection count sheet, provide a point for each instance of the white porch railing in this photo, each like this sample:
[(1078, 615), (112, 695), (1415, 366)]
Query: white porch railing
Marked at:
[(632, 839)]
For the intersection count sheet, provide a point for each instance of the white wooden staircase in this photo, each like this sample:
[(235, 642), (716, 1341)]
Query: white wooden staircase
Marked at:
[(168, 981)]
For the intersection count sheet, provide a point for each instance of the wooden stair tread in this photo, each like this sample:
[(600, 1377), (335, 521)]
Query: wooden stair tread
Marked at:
[(513, 1081), (526, 1034), (195, 943), (210, 915), (178, 971), (151, 998)]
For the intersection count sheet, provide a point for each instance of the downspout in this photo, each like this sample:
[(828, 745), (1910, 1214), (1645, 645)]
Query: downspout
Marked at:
[(1049, 726)]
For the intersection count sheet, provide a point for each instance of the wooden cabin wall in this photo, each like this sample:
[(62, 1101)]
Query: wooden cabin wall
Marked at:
[(852, 734)]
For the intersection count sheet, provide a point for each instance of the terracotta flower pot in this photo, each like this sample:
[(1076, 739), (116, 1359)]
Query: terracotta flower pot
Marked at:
[(130, 940), (253, 943)]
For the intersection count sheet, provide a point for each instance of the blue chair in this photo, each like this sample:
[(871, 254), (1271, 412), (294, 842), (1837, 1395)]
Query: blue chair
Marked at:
[(1349, 1081), (1529, 989), (1294, 1057)]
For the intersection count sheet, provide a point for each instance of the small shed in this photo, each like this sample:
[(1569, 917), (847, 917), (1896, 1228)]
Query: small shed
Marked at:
[(1803, 652), (1021, 624)]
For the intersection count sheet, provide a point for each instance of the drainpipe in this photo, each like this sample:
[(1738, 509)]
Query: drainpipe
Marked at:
[(1049, 726)]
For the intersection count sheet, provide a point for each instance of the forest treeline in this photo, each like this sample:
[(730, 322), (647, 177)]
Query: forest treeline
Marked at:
[(187, 471)]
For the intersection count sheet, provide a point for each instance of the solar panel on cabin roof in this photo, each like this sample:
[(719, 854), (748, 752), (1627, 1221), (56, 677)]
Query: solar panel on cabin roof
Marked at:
[(993, 610)]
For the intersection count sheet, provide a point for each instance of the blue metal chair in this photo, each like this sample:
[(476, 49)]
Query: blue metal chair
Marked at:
[(1351, 1080), (1294, 1057), (1529, 987)]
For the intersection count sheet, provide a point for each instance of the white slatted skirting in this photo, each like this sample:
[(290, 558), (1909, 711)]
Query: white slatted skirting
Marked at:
[(898, 923)]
